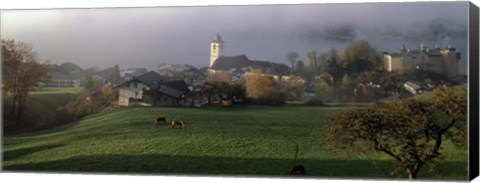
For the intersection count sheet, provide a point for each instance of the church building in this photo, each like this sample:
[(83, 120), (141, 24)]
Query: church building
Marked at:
[(238, 65), (216, 49)]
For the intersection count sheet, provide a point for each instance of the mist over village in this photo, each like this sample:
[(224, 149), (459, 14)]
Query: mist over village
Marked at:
[(238, 90)]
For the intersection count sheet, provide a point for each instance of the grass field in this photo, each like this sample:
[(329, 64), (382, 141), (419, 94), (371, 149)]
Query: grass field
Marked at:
[(57, 90), (42, 105), (242, 140)]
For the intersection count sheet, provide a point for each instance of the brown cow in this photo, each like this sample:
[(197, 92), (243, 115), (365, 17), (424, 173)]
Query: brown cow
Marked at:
[(178, 124), (159, 119), (297, 170)]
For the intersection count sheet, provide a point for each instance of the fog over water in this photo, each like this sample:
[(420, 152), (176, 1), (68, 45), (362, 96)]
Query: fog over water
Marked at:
[(146, 37)]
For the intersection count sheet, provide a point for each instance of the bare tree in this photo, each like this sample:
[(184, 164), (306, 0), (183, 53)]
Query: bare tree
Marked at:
[(292, 59), (21, 73), (312, 57)]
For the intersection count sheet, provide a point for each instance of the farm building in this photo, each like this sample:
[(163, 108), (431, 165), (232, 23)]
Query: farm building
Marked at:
[(150, 89), (64, 80)]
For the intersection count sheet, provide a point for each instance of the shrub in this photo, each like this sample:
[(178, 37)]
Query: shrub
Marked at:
[(88, 102), (276, 99), (314, 102)]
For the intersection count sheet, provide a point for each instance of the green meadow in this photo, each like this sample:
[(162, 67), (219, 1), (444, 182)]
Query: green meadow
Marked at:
[(242, 140), (42, 103)]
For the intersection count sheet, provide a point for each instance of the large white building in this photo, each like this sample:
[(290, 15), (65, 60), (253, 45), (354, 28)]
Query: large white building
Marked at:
[(441, 60)]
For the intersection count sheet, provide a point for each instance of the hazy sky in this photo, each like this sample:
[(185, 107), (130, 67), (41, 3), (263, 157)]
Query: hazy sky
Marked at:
[(146, 37)]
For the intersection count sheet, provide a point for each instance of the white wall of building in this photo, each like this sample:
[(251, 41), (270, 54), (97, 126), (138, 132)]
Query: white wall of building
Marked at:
[(131, 90)]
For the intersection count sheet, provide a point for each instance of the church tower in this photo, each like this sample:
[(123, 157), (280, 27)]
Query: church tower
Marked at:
[(216, 48)]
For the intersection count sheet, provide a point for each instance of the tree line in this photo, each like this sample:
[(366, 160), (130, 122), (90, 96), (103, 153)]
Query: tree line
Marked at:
[(23, 72), (359, 65)]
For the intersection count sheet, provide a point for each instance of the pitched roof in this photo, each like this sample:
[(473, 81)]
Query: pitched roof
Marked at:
[(217, 38), (150, 78), (324, 74), (225, 63), (170, 91), (178, 85), (276, 68), (240, 61), (174, 88)]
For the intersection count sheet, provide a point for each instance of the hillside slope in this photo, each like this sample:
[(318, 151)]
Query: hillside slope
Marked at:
[(242, 140), (41, 108)]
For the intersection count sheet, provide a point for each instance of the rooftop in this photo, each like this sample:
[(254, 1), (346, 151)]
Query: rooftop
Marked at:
[(217, 38), (241, 61)]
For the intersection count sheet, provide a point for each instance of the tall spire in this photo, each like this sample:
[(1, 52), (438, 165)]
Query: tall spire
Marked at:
[(403, 50), (217, 38)]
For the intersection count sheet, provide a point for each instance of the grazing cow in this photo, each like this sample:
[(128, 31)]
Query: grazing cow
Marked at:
[(159, 119), (297, 170), (178, 124)]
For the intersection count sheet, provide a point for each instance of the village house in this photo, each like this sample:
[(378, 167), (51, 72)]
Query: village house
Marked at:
[(441, 60), (65, 80), (188, 73), (129, 74), (65, 75), (327, 77), (150, 89)]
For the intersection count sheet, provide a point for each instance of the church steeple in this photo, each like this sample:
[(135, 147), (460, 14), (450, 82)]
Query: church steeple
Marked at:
[(404, 49), (217, 38), (216, 48)]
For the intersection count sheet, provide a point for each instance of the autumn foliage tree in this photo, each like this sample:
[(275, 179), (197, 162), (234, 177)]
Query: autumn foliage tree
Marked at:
[(360, 56), (21, 72), (323, 91), (293, 86), (263, 89), (410, 131)]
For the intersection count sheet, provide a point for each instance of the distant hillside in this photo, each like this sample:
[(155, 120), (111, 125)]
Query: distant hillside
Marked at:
[(66, 68)]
